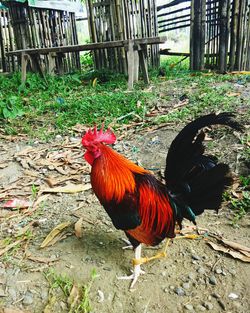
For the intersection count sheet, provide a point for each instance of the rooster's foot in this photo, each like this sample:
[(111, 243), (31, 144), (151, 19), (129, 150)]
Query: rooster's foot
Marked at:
[(134, 277), (128, 244)]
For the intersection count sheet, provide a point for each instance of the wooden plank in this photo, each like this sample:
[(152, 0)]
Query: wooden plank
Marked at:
[(143, 63), (91, 46), (24, 63), (52, 63), (130, 57)]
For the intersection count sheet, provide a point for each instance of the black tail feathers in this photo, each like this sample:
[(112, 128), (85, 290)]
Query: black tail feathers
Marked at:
[(196, 181)]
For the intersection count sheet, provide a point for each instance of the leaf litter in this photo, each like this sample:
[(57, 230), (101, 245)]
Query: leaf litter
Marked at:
[(47, 172)]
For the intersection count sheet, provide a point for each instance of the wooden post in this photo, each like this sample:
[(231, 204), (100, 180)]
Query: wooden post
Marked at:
[(239, 46), (234, 26), (197, 35), (136, 64), (52, 63), (130, 57), (24, 63), (223, 43), (143, 62)]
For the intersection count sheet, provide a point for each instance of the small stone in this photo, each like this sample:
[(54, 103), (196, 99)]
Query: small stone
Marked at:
[(189, 307), (212, 280), (218, 271), (28, 298), (171, 287), (179, 291), (191, 276), (201, 270), (107, 269), (165, 290), (208, 305), (186, 285), (233, 296), (74, 139), (12, 293), (196, 257), (200, 308), (44, 294)]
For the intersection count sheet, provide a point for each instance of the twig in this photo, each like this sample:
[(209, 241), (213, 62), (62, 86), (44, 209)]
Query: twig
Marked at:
[(213, 267)]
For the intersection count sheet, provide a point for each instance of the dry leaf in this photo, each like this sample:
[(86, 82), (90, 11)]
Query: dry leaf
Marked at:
[(74, 296), (3, 165), (233, 94), (233, 253), (235, 245), (25, 164), (54, 233), (39, 259), (70, 188), (60, 170), (10, 246), (12, 310), (31, 173), (51, 181), (78, 228), (94, 83)]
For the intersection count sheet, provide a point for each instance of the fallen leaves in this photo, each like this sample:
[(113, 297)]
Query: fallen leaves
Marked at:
[(11, 245), (74, 297), (12, 310), (39, 259), (55, 235), (70, 188), (78, 228), (236, 250)]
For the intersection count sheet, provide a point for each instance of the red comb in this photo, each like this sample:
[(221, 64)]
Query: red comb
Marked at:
[(95, 136)]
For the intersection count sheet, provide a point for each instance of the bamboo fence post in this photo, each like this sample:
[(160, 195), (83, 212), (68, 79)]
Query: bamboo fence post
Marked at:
[(197, 46), (223, 43)]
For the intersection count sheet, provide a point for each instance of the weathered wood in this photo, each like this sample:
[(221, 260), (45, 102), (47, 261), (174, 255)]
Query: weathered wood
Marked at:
[(223, 44), (143, 63), (91, 46), (197, 29), (24, 60)]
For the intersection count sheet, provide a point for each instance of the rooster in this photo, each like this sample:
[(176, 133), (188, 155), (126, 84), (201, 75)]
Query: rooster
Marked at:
[(145, 208)]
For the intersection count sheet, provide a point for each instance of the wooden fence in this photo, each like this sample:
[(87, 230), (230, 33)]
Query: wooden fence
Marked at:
[(43, 28), (219, 31), (122, 20), (7, 42)]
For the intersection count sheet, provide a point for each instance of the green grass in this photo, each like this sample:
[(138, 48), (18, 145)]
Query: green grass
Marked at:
[(241, 205), (42, 108), (62, 288)]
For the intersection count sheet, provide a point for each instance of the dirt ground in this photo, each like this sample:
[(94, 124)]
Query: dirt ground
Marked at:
[(193, 277)]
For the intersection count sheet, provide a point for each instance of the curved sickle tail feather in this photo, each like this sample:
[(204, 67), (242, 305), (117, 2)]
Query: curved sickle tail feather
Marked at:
[(196, 181)]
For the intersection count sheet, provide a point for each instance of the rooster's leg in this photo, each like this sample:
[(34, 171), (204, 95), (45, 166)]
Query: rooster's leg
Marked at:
[(137, 268)]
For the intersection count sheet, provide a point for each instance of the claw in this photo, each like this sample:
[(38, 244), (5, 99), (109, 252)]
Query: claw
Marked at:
[(134, 277)]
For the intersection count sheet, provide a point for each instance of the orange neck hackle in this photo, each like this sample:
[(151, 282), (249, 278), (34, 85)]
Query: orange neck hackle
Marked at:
[(112, 175)]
